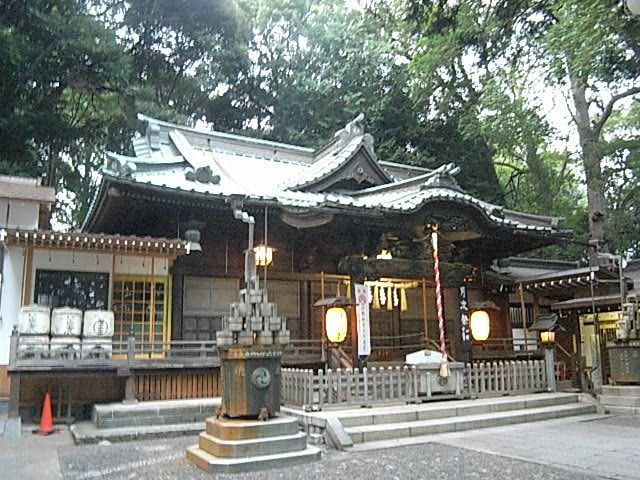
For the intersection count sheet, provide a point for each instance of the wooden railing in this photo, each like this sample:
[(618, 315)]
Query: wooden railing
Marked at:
[(505, 377), (315, 390)]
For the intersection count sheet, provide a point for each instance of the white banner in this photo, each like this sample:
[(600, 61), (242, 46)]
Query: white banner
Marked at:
[(362, 317)]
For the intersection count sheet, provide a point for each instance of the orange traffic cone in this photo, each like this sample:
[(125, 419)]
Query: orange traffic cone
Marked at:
[(46, 420)]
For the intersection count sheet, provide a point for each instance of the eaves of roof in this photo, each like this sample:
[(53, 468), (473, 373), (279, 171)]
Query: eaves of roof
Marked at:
[(334, 203)]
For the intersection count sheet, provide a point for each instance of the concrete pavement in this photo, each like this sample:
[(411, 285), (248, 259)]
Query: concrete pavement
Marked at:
[(586, 447)]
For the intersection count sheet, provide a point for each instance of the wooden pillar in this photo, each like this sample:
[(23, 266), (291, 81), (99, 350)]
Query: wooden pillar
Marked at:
[(14, 377), (26, 275), (176, 306), (524, 318), (14, 395), (354, 336), (425, 318)]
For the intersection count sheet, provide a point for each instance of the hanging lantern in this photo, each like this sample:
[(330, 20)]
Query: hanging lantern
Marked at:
[(548, 337), (479, 324), (264, 255), (336, 324)]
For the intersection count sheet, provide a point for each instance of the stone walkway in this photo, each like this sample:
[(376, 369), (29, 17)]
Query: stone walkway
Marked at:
[(587, 447)]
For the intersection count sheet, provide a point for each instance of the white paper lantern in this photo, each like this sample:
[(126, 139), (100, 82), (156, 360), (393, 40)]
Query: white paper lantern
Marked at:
[(336, 324), (480, 325)]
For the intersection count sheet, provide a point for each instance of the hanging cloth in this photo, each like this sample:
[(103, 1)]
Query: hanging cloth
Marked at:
[(376, 299)]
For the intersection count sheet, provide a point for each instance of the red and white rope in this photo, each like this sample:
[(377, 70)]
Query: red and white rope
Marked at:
[(436, 268)]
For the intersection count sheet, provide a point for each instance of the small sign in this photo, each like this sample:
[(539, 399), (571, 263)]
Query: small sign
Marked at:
[(465, 333), (362, 319)]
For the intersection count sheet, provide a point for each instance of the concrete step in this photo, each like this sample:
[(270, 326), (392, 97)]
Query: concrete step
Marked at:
[(621, 390), (370, 433), (228, 429), (440, 410), (614, 409), (251, 447), (87, 432), (214, 464), (166, 412), (619, 401)]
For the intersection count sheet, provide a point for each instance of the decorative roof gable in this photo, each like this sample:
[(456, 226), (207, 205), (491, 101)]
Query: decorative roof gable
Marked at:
[(347, 163)]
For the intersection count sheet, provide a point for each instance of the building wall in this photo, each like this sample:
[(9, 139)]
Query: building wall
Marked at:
[(22, 214), (12, 271), (52, 259)]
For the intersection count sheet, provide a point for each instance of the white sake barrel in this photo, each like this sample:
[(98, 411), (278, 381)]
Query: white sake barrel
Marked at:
[(34, 320), (66, 321), (32, 344), (98, 323), (68, 344), (96, 347)]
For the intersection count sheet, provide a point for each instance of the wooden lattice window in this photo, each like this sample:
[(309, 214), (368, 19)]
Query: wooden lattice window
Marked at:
[(141, 306)]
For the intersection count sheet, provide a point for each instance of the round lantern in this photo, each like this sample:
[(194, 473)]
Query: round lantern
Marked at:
[(479, 324), (336, 324)]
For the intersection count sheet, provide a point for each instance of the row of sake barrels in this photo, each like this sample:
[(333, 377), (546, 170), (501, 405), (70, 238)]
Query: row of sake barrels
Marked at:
[(85, 347), (65, 322)]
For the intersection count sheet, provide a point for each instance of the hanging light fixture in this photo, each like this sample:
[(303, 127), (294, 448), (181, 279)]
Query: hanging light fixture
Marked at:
[(480, 325), (193, 241), (336, 324), (384, 255), (548, 337), (264, 255)]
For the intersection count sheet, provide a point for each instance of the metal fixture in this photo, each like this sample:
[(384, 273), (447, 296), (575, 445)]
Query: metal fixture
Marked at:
[(193, 241)]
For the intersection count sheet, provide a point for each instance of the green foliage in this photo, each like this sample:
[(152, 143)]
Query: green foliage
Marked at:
[(438, 81)]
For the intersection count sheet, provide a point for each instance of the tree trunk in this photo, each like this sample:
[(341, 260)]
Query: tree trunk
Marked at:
[(591, 160)]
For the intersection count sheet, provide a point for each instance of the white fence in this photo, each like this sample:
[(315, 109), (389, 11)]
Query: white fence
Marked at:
[(516, 376), (315, 390)]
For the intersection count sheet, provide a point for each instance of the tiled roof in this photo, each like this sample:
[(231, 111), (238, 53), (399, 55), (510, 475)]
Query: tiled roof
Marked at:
[(224, 165)]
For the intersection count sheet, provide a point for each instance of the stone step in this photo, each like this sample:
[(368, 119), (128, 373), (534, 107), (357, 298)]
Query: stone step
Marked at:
[(370, 433), (251, 447), (228, 429), (214, 464), (87, 432), (434, 411), (614, 409), (166, 412), (621, 390), (619, 401)]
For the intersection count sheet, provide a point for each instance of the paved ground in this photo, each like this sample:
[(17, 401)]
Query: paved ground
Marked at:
[(576, 448)]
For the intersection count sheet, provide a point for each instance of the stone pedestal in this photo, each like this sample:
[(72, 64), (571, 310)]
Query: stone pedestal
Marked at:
[(231, 446)]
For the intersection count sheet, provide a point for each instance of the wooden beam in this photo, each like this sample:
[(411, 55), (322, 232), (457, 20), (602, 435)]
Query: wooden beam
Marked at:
[(425, 319)]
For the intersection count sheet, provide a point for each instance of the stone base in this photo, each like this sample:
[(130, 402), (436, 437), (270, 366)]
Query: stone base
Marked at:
[(231, 446), (212, 464), (13, 427)]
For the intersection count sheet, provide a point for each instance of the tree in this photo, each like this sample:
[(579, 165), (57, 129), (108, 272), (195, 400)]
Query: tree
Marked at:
[(187, 55), (587, 50), (60, 66), (592, 49)]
